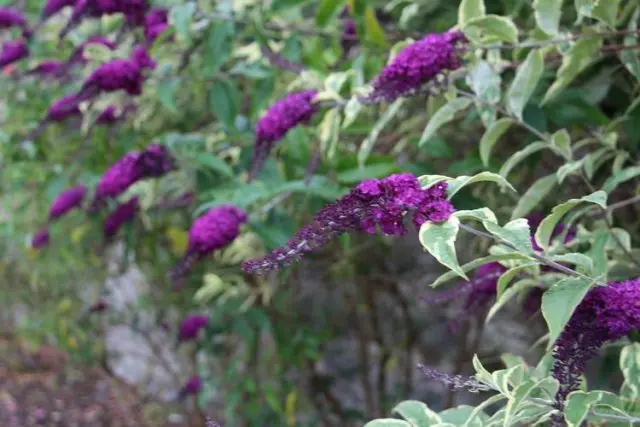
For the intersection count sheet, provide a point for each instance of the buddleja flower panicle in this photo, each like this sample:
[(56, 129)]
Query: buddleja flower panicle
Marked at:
[(374, 204), (13, 51), (456, 382), (421, 62), (123, 213), (67, 200)]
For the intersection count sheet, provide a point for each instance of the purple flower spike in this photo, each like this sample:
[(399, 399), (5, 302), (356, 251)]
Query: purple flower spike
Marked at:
[(40, 239), (13, 51), (287, 113), (124, 213), (193, 386), (11, 18), (607, 313), (191, 325), (212, 231), (155, 23), (349, 36), (120, 176), (52, 67), (373, 204), (108, 116), (141, 57), (121, 74), (156, 161), (416, 65), (64, 108), (67, 200)]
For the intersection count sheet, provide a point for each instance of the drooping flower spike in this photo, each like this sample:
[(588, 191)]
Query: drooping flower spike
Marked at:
[(13, 51), (64, 108), (11, 18), (67, 200), (373, 204), (419, 63), (292, 110), (607, 313), (124, 213), (155, 23), (40, 239), (214, 230), (191, 326)]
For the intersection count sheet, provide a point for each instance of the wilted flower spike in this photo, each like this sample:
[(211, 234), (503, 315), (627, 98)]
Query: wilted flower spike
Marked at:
[(287, 113), (607, 313), (374, 204), (454, 381), (40, 239), (67, 200), (13, 51), (416, 65), (123, 213), (191, 325), (212, 231)]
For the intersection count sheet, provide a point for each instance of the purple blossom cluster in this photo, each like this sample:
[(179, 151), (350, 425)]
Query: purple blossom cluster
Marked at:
[(11, 18), (192, 386), (214, 230), (121, 74), (155, 23), (416, 65), (67, 200), (122, 214), (191, 326), (40, 239), (287, 113), (153, 162), (607, 313), (373, 204), (13, 51), (64, 108)]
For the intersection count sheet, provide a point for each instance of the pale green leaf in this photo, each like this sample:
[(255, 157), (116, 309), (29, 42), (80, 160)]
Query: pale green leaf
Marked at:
[(478, 417), (368, 143), (417, 413), (560, 301), (512, 256), (561, 143), (622, 176), (525, 82), (327, 10), (568, 169), (495, 28), (443, 116), (598, 254), (351, 111), (630, 367), (577, 407), (439, 240), (481, 214), (534, 195), (470, 9), (607, 11), (387, 422), (629, 56), (482, 374), (516, 232), (508, 294), (329, 131), (491, 136), (519, 156), (181, 17), (582, 261), (456, 184), (485, 83), (506, 277), (584, 8), (459, 415), (373, 30), (547, 13)]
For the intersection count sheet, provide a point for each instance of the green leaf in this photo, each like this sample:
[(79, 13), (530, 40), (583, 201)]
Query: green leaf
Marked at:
[(630, 367), (525, 82), (568, 169), (577, 407), (442, 116), (218, 47), (607, 11), (515, 232), (506, 278), (622, 176), (329, 132), (498, 28), (470, 9), (456, 184), (629, 56), (560, 301), (417, 413), (215, 163), (439, 239), (482, 214), (519, 156), (584, 8), (598, 254), (543, 234), (477, 263), (351, 111), (534, 195), (509, 293), (547, 13), (582, 261), (482, 374), (387, 422), (373, 30), (460, 414), (561, 142), (224, 101), (327, 10), (581, 54), (181, 16), (166, 93), (368, 143), (491, 136), (485, 83)]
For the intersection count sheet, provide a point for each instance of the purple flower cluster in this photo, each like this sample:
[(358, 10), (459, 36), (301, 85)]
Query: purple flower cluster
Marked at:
[(191, 325), (607, 313), (153, 162), (217, 228), (67, 200), (121, 74), (193, 386), (13, 51), (123, 213), (133, 10), (373, 203), (64, 108), (40, 239), (155, 23), (287, 113), (417, 64), (53, 68), (11, 18)]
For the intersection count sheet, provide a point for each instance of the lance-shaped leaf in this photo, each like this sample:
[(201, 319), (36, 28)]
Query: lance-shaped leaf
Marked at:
[(439, 240)]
